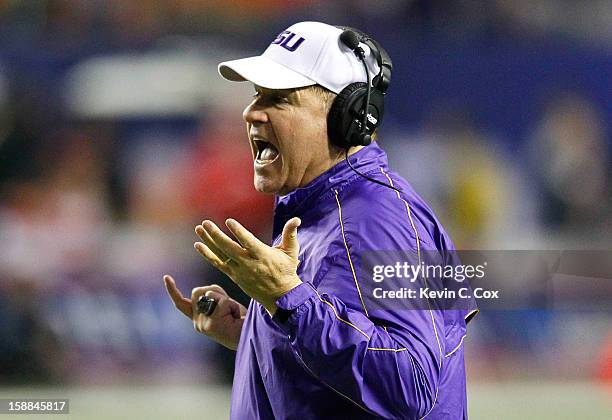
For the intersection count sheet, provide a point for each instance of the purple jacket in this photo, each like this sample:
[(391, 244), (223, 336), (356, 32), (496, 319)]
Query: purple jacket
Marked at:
[(325, 354)]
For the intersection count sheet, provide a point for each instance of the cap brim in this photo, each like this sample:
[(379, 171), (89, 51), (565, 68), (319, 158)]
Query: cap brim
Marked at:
[(263, 72)]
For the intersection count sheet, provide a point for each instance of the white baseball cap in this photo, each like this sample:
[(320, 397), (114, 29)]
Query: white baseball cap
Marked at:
[(305, 54)]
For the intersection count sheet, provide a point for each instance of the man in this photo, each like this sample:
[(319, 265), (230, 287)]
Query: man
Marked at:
[(308, 346)]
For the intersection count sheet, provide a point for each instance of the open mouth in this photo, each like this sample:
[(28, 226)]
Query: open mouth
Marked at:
[(266, 152)]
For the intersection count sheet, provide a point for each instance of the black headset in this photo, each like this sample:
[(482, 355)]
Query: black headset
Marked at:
[(358, 109)]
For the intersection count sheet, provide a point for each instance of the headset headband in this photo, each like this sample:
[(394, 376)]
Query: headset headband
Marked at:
[(382, 80)]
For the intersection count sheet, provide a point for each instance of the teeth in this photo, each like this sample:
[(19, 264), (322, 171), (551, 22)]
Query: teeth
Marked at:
[(266, 151)]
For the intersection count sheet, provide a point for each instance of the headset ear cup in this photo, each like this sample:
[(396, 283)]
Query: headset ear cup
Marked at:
[(342, 127)]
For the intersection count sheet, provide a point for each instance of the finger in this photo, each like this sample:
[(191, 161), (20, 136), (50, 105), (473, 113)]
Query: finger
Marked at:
[(289, 241), (225, 305), (217, 288), (202, 322), (198, 292), (196, 295), (230, 306), (201, 232), (246, 238), (223, 242), (212, 257), (216, 292), (215, 295), (234, 308), (182, 303), (199, 323)]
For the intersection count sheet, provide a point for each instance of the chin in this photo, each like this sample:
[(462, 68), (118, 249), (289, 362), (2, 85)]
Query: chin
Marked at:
[(265, 186)]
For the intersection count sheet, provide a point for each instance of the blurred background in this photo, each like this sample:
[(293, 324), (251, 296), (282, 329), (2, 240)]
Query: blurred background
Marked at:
[(117, 137)]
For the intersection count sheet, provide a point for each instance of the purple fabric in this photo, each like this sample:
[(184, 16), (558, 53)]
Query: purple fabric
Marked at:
[(325, 354)]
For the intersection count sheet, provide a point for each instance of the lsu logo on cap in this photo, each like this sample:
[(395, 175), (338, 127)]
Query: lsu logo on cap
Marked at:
[(285, 39)]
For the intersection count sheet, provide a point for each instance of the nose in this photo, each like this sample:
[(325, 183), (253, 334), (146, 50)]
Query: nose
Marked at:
[(254, 113)]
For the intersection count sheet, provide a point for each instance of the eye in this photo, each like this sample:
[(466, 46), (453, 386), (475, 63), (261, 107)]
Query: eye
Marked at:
[(271, 97), (279, 99)]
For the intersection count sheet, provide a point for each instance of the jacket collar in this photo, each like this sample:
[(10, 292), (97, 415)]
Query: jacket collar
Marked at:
[(369, 158)]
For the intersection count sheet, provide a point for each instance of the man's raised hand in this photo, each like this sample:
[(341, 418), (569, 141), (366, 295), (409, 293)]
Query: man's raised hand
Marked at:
[(264, 273)]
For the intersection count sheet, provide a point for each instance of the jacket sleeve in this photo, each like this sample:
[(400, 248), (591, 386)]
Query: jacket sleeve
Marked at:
[(390, 371)]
